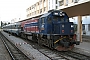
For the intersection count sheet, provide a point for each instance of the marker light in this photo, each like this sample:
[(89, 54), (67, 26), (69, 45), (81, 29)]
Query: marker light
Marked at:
[(72, 26), (63, 14), (62, 31), (71, 31), (60, 14)]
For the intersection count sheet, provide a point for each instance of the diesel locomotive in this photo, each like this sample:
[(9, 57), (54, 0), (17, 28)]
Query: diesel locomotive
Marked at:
[(52, 29)]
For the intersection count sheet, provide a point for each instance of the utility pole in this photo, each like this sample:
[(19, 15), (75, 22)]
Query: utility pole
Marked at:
[(1, 24)]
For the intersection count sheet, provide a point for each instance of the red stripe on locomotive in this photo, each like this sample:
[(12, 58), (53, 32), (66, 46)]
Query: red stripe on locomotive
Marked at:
[(30, 28)]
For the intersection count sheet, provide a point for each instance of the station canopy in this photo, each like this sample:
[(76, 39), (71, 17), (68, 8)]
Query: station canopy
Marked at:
[(77, 9)]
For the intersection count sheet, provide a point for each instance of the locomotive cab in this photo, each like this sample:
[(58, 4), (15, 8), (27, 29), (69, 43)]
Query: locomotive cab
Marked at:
[(55, 26), (55, 23)]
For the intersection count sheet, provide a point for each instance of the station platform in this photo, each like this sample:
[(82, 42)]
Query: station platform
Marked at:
[(27, 49), (84, 46)]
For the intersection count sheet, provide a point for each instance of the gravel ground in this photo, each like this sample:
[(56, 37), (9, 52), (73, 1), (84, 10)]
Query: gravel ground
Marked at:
[(4, 55)]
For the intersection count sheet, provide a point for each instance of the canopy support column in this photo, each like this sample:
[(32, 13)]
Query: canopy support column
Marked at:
[(79, 31)]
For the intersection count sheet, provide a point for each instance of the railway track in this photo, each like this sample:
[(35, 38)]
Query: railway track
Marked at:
[(13, 51), (57, 55), (51, 54), (76, 55)]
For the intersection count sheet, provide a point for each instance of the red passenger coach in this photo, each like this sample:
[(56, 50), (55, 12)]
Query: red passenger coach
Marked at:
[(30, 25)]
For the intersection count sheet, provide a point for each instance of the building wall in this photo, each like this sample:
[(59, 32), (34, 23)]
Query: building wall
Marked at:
[(68, 2), (41, 7), (87, 29)]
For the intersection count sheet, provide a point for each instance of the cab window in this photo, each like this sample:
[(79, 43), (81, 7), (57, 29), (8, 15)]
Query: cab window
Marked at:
[(49, 20), (42, 20), (61, 19), (66, 20), (55, 18)]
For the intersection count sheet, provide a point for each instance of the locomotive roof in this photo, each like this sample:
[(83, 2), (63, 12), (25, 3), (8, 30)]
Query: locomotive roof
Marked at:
[(18, 23), (45, 14), (49, 12)]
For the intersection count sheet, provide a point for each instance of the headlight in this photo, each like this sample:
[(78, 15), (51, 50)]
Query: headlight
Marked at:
[(60, 14), (63, 14), (63, 26), (72, 26)]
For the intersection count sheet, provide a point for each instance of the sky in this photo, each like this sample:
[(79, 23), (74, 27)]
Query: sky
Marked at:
[(10, 9)]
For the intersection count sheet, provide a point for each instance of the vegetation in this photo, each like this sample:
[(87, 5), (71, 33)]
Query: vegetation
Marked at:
[(3, 24)]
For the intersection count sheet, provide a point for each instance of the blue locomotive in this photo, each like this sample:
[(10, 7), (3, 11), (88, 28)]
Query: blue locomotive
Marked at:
[(52, 29)]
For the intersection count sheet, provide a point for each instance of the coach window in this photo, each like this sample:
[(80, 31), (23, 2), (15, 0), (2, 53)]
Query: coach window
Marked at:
[(19, 26), (11, 26), (15, 26)]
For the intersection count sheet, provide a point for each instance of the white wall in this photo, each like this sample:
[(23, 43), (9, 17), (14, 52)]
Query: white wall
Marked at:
[(52, 4), (87, 31)]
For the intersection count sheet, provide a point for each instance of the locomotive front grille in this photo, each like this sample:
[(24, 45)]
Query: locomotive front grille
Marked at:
[(63, 28), (56, 29)]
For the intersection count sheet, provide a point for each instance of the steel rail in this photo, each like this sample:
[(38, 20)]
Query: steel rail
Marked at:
[(7, 47), (16, 54)]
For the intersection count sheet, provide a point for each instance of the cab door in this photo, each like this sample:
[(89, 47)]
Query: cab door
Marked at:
[(42, 25)]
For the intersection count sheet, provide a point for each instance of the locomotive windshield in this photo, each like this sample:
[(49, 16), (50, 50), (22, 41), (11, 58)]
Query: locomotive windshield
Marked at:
[(59, 18)]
